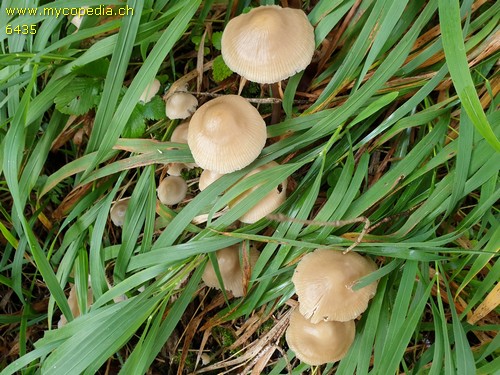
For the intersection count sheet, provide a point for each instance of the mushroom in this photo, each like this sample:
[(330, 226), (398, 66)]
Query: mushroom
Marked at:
[(323, 281), (267, 204), (316, 344), (73, 305), (150, 91), (179, 135), (180, 105), (230, 269), (268, 44), (172, 190), (208, 177), (118, 211), (77, 20), (226, 134)]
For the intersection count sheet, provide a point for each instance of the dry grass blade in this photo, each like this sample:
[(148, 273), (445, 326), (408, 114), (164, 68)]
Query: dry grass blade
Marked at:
[(490, 303)]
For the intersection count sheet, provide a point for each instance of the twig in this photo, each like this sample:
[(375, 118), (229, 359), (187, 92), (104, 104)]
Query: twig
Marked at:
[(251, 100), (336, 223)]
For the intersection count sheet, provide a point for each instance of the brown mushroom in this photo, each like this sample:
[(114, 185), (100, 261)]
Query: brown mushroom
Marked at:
[(179, 135), (316, 344), (228, 260), (172, 190), (268, 44), (150, 91), (208, 177), (226, 134), (118, 210), (268, 203), (323, 281), (180, 105)]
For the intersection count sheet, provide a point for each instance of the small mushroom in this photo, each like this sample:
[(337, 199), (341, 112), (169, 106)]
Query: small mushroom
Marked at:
[(179, 135), (323, 281), (118, 211), (180, 105), (172, 190), (77, 20), (73, 305), (316, 344), (268, 44), (150, 91), (230, 269), (208, 177), (267, 204), (226, 134)]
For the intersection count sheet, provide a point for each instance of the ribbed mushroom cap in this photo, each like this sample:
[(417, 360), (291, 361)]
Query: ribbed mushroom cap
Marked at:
[(230, 269), (323, 281), (267, 204), (150, 91), (316, 344), (208, 177), (268, 44), (172, 190), (226, 134), (180, 105), (118, 210)]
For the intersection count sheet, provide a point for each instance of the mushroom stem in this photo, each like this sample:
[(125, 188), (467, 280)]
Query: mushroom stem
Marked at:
[(243, 82)]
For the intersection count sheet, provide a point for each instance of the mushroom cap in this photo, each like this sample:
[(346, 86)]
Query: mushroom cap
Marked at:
[(268, 44), (180, 105), (316, 344), (172, 190), (150, 91), (267, 204), (118, 210), (323, 281), (208, 177), (226, 134), (230, 269), (180, 133)]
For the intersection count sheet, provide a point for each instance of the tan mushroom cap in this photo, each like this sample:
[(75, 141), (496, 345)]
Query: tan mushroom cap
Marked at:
[(180, 133), (208, 177), (268, 44), (226, 134), (323, 281), (150, 91), (118, 210), (180, 105), (267, 204), (230, 269), (316, 344), (172, 190)]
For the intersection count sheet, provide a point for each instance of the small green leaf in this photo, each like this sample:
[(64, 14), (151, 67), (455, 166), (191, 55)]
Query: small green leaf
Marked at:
[(220, 70), (79, 97), (135, 127), (154, 109), (216, 40), (97, 68)]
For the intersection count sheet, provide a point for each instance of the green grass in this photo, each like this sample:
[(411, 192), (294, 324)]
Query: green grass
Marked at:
[(397, 121)]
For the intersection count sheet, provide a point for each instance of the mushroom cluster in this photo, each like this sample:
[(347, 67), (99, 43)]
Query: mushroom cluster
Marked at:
[(328, 305)]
